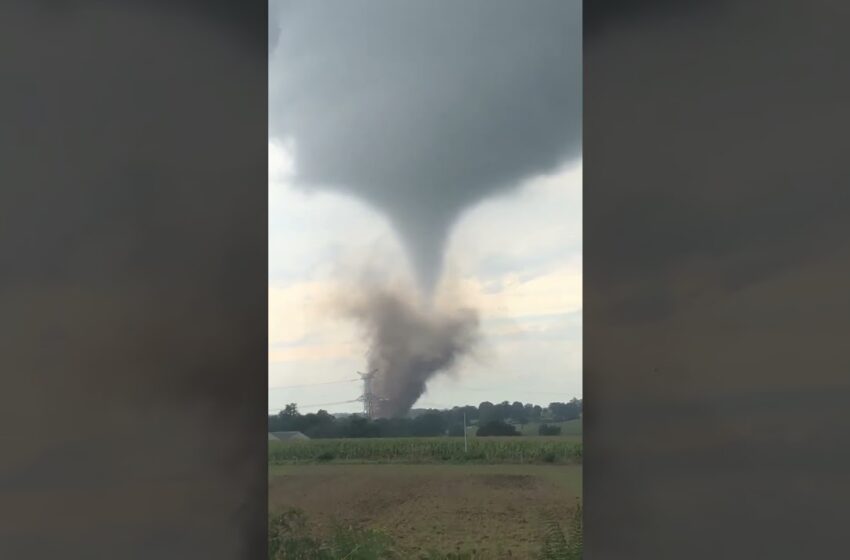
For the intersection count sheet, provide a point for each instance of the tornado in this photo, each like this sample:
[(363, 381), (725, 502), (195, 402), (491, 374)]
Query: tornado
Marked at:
[(423, 110)]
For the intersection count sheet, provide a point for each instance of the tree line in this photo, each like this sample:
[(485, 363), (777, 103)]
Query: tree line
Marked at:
[(487, 417)]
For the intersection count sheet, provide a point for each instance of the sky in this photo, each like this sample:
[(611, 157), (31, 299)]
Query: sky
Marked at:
[(516, 257), (433, 147)]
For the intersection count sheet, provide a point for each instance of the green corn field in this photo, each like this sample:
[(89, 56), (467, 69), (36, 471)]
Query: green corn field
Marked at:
[(428, 450)]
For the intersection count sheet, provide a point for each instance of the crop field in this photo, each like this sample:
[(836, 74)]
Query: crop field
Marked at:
[(428, 495), (489, 511), (491, 450)]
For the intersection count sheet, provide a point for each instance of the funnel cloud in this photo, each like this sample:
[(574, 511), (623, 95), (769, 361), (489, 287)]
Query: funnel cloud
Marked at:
[(426, 108), (423, 110)]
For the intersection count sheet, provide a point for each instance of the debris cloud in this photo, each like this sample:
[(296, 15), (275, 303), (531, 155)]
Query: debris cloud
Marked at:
[(408, 343)]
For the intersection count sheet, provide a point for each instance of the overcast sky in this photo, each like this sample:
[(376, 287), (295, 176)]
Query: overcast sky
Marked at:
[(438, 142), (516, 257)]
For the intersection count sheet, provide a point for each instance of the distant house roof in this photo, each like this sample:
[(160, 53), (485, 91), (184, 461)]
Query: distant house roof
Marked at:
[(287, 436)]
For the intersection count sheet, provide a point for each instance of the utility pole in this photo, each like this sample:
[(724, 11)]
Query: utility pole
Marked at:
[(464, 432), (368, 397)]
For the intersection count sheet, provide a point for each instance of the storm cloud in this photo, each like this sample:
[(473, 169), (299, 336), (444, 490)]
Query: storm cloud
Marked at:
[(424, 109)]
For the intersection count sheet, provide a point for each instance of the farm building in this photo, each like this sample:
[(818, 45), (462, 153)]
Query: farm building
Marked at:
[(287, 436)]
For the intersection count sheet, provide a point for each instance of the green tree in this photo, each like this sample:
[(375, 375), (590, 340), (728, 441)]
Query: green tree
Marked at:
[(497, 428), (565, 411), (428, 425), (289, 411), (486, 412), (518, 413)]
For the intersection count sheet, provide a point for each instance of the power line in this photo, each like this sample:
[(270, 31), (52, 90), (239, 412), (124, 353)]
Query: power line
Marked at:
[(457, 388), (494, 389), (312, 384), (432, 405), (367, 394), (315, 405)]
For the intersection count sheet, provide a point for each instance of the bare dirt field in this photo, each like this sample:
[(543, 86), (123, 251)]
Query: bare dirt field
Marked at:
[(495, 510)]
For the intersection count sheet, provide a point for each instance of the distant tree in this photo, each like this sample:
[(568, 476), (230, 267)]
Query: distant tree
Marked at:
[(518, 413), (547, 430), (429, 424), (561, 412), (320, 424), (359, 427), (421, 422), (503, 411), (286, 420), (393, 427), (486, 412), (497, 428), (274, 423), (453, 416), (537, 413)]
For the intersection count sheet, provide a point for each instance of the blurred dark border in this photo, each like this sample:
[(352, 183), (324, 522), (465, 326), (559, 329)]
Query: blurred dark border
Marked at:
[(716, 258), (133, 279)]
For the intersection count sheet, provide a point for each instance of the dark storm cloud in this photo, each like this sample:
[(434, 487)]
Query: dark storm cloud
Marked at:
[(426, 108), (273, 23)]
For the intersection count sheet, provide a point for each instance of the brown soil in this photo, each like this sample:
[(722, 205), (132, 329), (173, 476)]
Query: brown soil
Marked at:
[(494, 510)]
